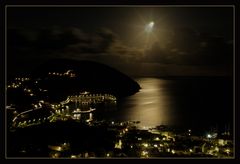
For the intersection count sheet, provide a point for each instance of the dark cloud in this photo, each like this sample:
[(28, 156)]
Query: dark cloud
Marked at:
[(68, 41), (35, 46), (98, 42), (188, 47), (184, 50), (57, 40)]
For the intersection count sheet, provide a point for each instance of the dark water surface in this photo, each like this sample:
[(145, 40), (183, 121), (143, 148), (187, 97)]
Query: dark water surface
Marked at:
[(202, 102)]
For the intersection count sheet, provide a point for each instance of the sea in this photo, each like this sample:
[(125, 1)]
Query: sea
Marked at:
[(205, 103)]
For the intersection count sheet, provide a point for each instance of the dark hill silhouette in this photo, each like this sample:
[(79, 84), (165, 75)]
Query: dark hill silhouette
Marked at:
[(90, 76)]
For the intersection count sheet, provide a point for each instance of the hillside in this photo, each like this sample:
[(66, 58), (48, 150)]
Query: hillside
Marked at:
[(88, 75)]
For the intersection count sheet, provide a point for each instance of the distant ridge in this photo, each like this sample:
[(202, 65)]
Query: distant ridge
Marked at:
[(91, 76)]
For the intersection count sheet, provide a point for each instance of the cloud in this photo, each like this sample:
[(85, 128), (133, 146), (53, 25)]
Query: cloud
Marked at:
[(70, 42), (183, 51), (187, 47), (98, 42)]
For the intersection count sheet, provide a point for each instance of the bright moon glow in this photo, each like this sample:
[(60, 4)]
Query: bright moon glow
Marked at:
[(149, 27)]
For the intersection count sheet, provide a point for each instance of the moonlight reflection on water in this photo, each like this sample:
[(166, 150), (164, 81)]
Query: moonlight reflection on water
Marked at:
[(198, 103), (151, 105)]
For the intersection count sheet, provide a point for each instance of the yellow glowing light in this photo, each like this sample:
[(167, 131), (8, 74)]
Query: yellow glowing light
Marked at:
[(227, 150), (56, 155), (157, 139), (59, 148), (144, 152), (151, 24), (209, 136), (149, 27), (73, 156)]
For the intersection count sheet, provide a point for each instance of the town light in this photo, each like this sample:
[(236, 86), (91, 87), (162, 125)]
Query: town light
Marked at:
[(209, 136)]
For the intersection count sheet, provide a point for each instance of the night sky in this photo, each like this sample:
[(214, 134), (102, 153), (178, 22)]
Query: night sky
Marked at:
[(184, 41)]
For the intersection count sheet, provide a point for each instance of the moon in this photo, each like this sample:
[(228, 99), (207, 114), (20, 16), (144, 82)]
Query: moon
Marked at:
[(149, 27)]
